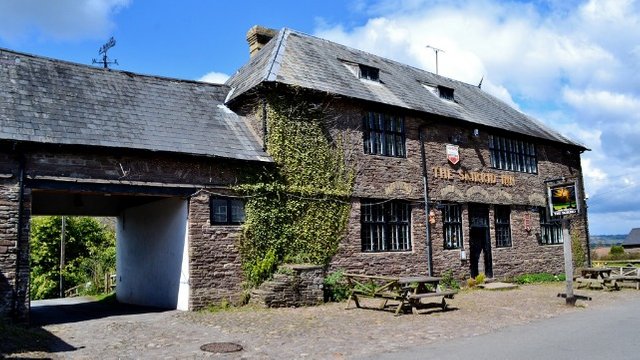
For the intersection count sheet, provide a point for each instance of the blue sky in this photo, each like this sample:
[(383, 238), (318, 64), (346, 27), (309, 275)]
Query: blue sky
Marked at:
[(573, 64)]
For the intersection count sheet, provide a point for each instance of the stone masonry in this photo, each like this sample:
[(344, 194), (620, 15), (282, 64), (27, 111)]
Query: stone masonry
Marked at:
[(215, 269), (298, 285)]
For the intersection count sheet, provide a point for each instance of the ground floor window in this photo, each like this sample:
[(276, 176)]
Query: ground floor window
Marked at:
[(385, 225), (226, 211), (550, 232), (503, 225), (452, 226)]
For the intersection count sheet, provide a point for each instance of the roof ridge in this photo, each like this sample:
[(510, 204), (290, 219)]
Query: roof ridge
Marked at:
[(100, 69), (274, 68), (380, 57)]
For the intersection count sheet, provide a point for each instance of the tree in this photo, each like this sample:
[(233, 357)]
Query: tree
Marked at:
[(89, 254)]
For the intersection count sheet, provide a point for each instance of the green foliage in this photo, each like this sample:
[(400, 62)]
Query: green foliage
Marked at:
[(335, 286), (479, 279), (616, 250), (447, 281), (617, 253), (223, 305), (89, 254), (578, 252), (538, 278), (297, 213)]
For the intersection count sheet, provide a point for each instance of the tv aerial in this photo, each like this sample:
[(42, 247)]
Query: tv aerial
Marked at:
[(436, 50), (103, 51)]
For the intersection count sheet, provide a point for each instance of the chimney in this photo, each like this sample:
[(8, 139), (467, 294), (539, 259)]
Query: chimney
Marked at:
[(258, 37)]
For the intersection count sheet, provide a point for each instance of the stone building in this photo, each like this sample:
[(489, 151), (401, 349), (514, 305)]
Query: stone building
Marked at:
[(480, 165), (157, 153), (447, 176)]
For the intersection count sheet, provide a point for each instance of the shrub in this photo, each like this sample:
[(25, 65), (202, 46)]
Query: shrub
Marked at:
[(480, 278), (471, 282), (617, 253), (448, 281), (335, 287)]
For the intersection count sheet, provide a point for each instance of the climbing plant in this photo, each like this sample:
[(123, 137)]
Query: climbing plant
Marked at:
[(296, 213)]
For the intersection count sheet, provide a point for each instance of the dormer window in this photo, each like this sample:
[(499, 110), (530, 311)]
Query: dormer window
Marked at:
[(445, 92), (369, 73)]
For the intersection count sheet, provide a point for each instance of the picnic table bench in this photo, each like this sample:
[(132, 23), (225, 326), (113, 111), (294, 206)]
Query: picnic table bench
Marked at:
[(408, 291), (598, 278), (629, 275)]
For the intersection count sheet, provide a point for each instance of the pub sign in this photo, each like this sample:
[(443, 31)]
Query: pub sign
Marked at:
[(453, 155), (563, 199)]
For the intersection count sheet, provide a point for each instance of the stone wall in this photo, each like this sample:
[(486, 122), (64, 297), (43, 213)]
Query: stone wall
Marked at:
[(298, 285), (382, 177), (215, 264), (215, 267)]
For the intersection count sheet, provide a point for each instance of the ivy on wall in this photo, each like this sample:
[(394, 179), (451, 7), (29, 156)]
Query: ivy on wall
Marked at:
[(298, 213)]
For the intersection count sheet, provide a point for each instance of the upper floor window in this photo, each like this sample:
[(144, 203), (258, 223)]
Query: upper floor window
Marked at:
[(385, 226), (445, 92), (452, 226), (550, 232), (369, 73), (226, 211), (503, 225), (514, 155), (384, 134)]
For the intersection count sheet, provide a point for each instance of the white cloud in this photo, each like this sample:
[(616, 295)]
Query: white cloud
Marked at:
[(573, 64), (59, 19), (214, 77)]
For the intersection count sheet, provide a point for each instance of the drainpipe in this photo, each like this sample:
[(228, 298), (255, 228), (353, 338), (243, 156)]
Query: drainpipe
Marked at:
[(425, 189), (264, 124), (21, 165)]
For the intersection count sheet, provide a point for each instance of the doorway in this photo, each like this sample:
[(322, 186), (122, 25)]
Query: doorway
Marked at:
[(479, 240)]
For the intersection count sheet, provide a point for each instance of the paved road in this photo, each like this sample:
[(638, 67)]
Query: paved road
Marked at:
[(608, 333)]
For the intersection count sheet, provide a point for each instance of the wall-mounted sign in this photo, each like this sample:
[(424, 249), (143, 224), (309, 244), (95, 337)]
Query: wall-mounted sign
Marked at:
[(453, 154), (563, 199), (478, 177)]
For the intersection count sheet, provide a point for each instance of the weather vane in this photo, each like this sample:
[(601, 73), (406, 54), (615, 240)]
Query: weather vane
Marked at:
[(103, 51)]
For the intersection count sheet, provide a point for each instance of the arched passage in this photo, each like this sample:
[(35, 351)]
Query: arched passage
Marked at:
[(151, 238)]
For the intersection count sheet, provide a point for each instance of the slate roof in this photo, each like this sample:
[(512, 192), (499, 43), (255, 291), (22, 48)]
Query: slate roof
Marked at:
[(50, 101), (633, 239), (306, 61)]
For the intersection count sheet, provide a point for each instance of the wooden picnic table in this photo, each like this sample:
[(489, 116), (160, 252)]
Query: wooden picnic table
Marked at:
[(408, 291), (599, 278)]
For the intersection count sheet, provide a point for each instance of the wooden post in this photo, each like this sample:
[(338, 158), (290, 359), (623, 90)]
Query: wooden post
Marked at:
[(568, 262), (62, 256)]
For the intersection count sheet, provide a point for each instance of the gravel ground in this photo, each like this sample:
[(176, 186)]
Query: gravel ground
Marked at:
[(322, 332)]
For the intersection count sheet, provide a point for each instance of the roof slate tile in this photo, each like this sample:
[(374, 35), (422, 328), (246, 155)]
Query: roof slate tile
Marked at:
[(305, 61), (50, 101)]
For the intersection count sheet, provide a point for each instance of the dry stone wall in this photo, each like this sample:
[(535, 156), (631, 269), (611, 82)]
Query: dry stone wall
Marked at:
[(299, 285)]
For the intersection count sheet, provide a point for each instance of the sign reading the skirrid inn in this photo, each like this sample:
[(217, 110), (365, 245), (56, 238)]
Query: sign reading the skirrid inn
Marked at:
[(453, 155), (563, 199)]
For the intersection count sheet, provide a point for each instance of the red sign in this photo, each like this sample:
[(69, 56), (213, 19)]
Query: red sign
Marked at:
[(453, 155)]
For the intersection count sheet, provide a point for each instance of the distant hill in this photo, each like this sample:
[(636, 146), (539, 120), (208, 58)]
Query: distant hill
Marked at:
[(606, 240)]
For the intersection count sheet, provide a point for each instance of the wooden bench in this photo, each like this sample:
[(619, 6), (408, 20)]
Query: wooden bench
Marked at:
[(407, 291), (627, 276)]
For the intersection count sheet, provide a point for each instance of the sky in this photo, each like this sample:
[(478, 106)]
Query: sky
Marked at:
[(572, 64)]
